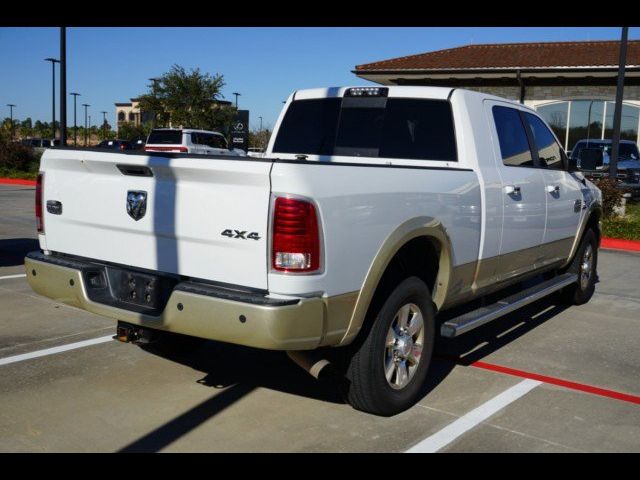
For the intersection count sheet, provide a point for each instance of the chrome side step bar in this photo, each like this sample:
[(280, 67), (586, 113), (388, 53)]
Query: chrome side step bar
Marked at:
[(464, 323)]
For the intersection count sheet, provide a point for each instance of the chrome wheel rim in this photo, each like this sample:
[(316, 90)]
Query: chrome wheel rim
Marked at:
[(403, 348), (586, 267)]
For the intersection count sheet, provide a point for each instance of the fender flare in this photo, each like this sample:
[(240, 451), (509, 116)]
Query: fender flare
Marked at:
[(416, 227), (594, 208)]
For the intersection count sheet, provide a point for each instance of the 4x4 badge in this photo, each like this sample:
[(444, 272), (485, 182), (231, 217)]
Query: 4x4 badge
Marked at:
[(136, 204)]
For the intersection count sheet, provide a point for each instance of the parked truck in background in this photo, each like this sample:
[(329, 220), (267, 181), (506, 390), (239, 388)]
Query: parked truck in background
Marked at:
[(373, 213)]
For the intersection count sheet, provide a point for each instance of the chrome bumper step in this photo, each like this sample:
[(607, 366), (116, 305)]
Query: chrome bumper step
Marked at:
[(474, 319)]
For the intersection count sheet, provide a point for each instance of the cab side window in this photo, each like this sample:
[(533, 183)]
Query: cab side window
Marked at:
[(195, 138), (549, 152), (514, 145)]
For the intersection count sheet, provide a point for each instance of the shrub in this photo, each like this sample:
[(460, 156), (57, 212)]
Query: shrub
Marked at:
[(611, 195), (14, 156)]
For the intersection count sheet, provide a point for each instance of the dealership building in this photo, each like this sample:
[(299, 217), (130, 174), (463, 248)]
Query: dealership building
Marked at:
[(571, 84)]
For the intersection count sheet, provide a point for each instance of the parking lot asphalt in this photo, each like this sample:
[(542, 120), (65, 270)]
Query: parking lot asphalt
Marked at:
[(110, 396)]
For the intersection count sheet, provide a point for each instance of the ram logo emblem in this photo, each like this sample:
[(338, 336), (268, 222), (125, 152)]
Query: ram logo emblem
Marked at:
[(136, 204)]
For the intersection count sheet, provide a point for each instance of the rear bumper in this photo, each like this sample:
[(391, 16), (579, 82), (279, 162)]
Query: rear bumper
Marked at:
[(193, 309)]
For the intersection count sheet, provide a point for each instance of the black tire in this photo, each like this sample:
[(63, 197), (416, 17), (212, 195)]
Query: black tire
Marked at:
[(582, 291), (367, 388)]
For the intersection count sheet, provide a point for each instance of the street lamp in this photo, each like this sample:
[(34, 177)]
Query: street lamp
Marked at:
[(63, 86), (11, 105), (53, 90), (153, 92), (75, 128), (85, 105), (237, 95), (104, 125)]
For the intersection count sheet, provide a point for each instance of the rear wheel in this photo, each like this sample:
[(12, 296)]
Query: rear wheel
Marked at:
[(585, 265), (387, 371)]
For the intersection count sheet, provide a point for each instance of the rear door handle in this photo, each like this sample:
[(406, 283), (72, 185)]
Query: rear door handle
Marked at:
[(553, 188), (511, 189)]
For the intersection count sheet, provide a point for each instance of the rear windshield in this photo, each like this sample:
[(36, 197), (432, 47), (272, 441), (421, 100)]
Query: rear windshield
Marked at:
[(369, 127), (169, 137)]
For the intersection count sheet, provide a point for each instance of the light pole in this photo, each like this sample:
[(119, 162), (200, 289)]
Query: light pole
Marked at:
[(75, 128), (53, 95), (104, 125), (85, 105), (11, 105), (154, 81), (237, 95), (617, 113), (63, 86)]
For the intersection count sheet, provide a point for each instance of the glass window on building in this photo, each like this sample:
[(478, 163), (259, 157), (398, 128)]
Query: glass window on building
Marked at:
[(585, 121), (556, 115), (628, 122), (588, 119)]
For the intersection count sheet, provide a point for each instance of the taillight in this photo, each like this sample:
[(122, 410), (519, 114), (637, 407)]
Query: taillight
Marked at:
[(296, 236), (39, 219), (167, 149)]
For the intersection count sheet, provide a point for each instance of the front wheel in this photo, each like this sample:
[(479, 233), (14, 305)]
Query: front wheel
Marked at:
[(386, 373), (585, 265)]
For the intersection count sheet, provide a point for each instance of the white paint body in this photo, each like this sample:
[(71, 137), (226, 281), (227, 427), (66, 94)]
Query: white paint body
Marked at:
[(191, 200)]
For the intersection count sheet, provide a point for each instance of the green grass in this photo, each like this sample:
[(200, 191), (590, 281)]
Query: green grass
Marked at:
[(13, 173), (627, 228)]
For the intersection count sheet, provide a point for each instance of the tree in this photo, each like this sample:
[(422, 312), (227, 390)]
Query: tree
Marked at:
[(189, 99), (131, 131), (26, 127), (259, 138)]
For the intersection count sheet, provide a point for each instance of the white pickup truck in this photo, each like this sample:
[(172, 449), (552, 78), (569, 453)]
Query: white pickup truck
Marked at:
[(374, 211)]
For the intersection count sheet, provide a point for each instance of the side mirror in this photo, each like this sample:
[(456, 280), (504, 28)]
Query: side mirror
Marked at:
[(591, 159), (572, 165)]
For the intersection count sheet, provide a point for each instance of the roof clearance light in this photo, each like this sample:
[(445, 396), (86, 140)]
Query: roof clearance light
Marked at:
[(367, 92)]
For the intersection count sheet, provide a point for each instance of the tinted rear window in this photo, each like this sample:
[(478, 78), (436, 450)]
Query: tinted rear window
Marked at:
[(309, 126), (391, 128), (169, 137)]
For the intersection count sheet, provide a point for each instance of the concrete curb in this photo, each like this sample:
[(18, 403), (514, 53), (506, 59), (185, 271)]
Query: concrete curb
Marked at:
[(17, 181), (620, 244)]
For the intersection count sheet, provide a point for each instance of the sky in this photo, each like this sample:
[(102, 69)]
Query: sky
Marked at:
[(108, 65)]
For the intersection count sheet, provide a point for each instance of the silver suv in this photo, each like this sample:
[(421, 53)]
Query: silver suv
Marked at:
[(188, 140)]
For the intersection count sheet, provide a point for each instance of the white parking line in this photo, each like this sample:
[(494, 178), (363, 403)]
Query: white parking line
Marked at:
[(465, 423), (53, 350), (19, 275)]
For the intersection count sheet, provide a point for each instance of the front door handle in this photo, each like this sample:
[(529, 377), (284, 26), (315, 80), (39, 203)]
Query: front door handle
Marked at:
[(511, 189), (553, 188)]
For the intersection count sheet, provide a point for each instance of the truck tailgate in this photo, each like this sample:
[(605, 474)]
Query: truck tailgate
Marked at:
[(190, 202)]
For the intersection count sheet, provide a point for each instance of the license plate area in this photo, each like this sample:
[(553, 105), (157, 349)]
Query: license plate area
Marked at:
[(129, 289)]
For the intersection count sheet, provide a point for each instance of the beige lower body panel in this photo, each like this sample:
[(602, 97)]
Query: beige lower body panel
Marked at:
[(302, 326)]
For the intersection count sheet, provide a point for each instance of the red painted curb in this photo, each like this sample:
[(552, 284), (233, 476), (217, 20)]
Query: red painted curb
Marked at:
[(17, 181), (603, 392), (620, 244)]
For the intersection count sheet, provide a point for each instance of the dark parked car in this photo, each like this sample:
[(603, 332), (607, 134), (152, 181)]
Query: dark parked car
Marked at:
[(40, 142), (138, 144), (116, 145), (628, 161)]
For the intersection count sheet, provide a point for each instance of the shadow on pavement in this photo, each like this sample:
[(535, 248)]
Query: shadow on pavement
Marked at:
[(237, 370), (13, 250)]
